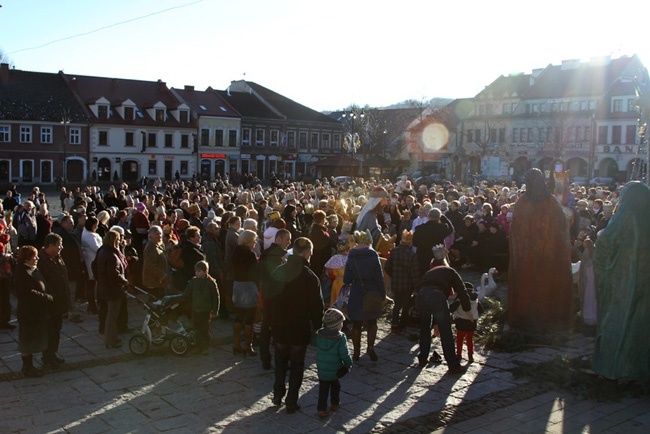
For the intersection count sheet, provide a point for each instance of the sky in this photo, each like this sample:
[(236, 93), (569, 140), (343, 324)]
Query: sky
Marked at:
[(325, 55)]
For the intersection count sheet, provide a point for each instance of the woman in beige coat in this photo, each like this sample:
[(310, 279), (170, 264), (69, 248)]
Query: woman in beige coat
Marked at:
[(155, 270)]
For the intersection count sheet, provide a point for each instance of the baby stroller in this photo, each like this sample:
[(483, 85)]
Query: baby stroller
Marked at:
[(161, 324)]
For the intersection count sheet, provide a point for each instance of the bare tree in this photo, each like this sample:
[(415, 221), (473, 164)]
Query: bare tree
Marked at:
[(4, 58)]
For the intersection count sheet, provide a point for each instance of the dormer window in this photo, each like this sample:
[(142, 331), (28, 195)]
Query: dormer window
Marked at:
[(128, 113), (160, 115), (185, 117), (102, 112)]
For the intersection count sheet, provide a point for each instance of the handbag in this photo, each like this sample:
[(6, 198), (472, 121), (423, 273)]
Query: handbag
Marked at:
[(342, 371), (373, 301)]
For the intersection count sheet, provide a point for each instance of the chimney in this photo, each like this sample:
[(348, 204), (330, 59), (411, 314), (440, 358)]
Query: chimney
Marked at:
[(4, 72), (570, 64), (190, 88)]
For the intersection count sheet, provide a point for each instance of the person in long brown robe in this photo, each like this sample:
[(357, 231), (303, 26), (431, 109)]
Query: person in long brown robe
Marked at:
[(540, 287)]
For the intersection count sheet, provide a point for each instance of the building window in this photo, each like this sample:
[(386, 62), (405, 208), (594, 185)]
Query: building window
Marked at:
[(128, 113), (205, 137), (632, 105), (630, 134), (160, 115), (25, 134), (477, 135), (102, 112), (602, 135), (5, 134), (617, 105), (184, 167), (46, 134), (185, 117), (302, 140), (493, 135), (336, 141), (470, 136), (587, 135), (275, 136), (583, 106), (218, 138), (506, 108), (75, 136), (326, 141), (185, 141), (259, 137), (513, 107), (232, 138), (246, 137), (616, 134), (542, 108), (103, 138), (291, 139), (128, 139), (314, 140), (592, 105), (151, 141), (515, 135), (524, 135), (153, 167)]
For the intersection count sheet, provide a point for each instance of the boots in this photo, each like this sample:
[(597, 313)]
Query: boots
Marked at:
[(356, 343), (248, 333), (90, 296), (28, 367), (236, 339), (372, 335)]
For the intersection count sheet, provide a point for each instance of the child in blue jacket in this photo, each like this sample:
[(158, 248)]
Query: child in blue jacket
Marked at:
[(332, 359)]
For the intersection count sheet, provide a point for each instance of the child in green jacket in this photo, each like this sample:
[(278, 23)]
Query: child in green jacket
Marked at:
[(203, 294), (332, 359)]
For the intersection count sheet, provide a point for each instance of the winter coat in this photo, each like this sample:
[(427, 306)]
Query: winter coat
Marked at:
[(155, 269), (203, 294), (90, 243), (55, 274), (331, 353), (111, 274), (295, 303), (33, 299), (191, 254), (363, 270), (402, 267)]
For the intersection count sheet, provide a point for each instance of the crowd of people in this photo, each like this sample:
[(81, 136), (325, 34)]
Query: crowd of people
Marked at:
[(274, 256)]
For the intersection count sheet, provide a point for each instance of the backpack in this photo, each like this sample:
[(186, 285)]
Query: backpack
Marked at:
[(175, 257)]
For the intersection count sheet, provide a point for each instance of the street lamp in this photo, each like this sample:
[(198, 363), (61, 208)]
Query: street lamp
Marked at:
[(352, 141), (65, 121)]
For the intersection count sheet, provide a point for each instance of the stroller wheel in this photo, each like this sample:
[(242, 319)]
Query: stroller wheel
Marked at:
[(139, 345), (179, 345)]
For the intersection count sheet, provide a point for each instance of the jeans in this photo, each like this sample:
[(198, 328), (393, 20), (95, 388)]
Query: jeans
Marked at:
[(324, 388), (292, 358), (432, 304)]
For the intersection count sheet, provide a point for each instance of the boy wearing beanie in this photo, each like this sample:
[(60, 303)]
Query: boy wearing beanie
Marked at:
[(332, 360)]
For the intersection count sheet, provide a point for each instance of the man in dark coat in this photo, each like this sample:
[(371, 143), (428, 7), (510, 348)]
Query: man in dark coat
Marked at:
[(429, 234), (270, 259), (296, 309), (73, 258), (192, 253), (54, 272)]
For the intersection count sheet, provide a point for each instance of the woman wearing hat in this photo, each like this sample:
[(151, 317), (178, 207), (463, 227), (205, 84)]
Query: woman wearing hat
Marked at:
[(363, 272)]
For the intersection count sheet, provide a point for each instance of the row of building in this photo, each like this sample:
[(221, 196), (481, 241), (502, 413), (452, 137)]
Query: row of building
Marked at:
[(577, 116)]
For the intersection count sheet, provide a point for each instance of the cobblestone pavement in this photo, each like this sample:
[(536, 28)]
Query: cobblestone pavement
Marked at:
[(99, 390)]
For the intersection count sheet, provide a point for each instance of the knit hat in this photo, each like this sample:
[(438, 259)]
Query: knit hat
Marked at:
[(333, 317)]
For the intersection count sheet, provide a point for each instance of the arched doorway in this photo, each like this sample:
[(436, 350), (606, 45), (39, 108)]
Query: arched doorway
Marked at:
[(577, 167), (130, 171), (546, 164), (637, 170), (104, 170), (205, 169), (608, 168), (219, 168), (75, 170), (46, 171)]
